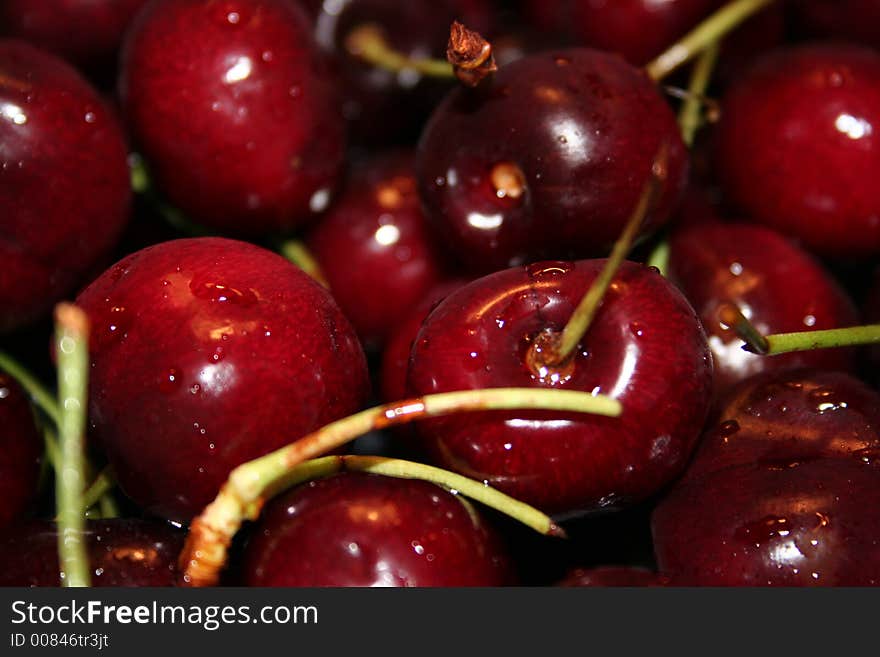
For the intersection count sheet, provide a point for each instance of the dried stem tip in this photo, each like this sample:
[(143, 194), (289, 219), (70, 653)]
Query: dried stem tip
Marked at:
[(470, 55)]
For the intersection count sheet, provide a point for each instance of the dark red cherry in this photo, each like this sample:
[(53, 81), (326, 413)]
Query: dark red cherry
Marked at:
[(777, 285), (612, 576), (549, 158), (206, 353), (811, 523), (852, 20), (235, 111), (121, 551), (777, 419), (395, 355), (374, 247), (645, 348), (793, 130), (21, 450), (385, 107), (356, 529), (85, 32), (64, 181)]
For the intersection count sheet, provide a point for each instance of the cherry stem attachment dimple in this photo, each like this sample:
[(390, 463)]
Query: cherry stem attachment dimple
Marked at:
[(557, 348), (71, 342), (251, 484), (730, 315), (708, 32)]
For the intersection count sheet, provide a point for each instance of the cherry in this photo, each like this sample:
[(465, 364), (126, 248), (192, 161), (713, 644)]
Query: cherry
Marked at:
[(781, 490), (235, 111), (793, 128), (549, 158), (612, 576), (206, 353), (376, 228), (122, 552), (85, 32), (772, 281), (803, 524), (645, 348), (385, 107), (64, 181), (355, 529), (777, 417), (21, 451)]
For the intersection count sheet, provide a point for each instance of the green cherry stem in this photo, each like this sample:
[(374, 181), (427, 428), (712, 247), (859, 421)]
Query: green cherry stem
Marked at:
[(251, 484), (710, 31), (99, 492), (659, 257), (299, 254), (783, 343), (552, 349), (690, 115), (730, 315), (71, 342), (39, 394), (368, 43)]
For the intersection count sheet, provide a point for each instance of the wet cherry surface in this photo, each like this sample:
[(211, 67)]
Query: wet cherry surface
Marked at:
[(793, 130), (377, 229), (356, 529), (777, 285), (235, 110), (21, 450), (64, 181), (550, 158), (206, 353), (121, 552), (645, 348)]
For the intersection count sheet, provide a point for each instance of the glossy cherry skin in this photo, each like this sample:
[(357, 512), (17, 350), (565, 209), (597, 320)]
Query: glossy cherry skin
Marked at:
[(384, 107), (782, 488), (812, 523), (850, 20), (235, 111), (206, 353), (64, 181), (645, 348), (550, 157), (793, 129), (376, 228), (85, 32), (124, 552), (356, 529), (612, 576), (778, 417), (21, 451), (779, 286)]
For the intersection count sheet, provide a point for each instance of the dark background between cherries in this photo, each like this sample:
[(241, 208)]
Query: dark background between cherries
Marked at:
[(357, 202)]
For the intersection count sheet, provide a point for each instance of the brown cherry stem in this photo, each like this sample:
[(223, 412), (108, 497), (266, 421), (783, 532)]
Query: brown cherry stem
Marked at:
[(71, 342), (552, 349), (709, 32), (251, 484)]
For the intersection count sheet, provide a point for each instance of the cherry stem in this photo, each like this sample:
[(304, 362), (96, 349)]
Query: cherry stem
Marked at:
[(299, 254), (689, 118), (783, 343), (39, 394), (142, 184), (99, 492), (659, 257), (251, 484), (709, 32), (556, 351), (368, 43), (71, 342)]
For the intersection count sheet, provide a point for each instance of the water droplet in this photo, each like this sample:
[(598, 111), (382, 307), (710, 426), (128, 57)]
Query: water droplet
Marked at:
[(636, 329), (727, 429), (233, 18), (170, 381), (764, 529), (90, 117), (221, 293), (557, 268), (562, 61)]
